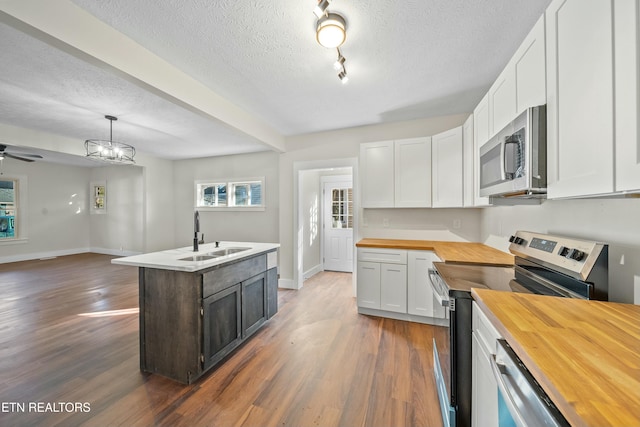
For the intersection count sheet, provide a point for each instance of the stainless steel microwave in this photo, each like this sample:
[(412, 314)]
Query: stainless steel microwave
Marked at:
[(514, 162)]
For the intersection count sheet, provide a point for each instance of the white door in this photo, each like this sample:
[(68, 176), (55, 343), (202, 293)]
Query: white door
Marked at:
[(338, 226)]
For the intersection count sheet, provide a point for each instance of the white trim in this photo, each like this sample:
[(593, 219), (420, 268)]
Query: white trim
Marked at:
[(403, 316), (41, 255), (115, 252), (287, 284), (312, 271), (8, 241), (231, 208)]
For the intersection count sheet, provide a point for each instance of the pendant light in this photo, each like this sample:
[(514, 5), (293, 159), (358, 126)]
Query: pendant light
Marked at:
[(110, 151)]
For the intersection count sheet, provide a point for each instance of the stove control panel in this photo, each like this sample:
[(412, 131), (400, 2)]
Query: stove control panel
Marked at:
[(572, 256)]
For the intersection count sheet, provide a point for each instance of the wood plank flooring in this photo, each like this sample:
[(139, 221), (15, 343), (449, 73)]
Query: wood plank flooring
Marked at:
[(69, 336)]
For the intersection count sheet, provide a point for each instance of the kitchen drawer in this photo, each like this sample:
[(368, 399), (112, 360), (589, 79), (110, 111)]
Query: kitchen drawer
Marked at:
[(230, 274), (484, 329), (391, 256)]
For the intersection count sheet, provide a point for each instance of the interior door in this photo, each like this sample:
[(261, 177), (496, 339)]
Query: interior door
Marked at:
[(338, 226)]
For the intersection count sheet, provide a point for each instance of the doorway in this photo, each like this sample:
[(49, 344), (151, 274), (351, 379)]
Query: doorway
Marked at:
[(337, 223)]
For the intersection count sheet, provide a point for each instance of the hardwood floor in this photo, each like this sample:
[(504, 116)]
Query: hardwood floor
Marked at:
[(69, 336)]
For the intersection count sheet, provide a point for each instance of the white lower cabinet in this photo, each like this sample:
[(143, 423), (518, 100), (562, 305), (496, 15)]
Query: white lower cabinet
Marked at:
[(484, 394), (395, 283), (419, 292)]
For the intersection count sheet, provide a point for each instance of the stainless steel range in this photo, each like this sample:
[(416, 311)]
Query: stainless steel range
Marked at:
[(544, 264)]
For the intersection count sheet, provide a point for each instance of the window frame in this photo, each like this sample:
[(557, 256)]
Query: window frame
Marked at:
[(20, 207), (230, 184)]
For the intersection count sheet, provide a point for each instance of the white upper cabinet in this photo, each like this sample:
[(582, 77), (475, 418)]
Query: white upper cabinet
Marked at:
[(480, 136), (522, 84), (580, 98), (377, 172), (468, 166), (396, 173), (413, 173), (446, 169), (530, 69), (627, 52)]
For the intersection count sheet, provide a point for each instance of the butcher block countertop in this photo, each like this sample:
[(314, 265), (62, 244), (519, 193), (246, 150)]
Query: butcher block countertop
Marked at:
[(584, 354), (462, 252)]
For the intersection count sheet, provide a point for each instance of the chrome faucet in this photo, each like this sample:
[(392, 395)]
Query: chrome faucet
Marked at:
[(196, 230)]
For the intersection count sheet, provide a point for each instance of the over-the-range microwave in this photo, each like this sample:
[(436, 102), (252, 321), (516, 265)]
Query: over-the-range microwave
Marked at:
[(513, 163)]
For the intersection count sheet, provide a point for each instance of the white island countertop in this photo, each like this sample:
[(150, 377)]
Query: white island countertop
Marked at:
[(174, 259)]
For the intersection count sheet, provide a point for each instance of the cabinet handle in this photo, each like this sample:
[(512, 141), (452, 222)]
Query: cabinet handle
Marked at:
[(201, 311)]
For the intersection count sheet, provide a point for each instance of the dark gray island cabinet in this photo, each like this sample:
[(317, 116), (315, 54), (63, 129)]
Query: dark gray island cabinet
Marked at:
[(189, 321)]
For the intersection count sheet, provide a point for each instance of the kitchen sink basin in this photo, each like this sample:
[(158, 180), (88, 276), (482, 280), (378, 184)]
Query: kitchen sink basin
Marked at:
[(199, 257), (227, 251)]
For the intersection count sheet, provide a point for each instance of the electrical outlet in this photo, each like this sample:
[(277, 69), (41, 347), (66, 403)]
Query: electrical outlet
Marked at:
[(457, 223), (385, 222)]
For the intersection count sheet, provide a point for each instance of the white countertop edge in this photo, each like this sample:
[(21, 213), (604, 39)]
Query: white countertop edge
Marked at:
[(170, 259)]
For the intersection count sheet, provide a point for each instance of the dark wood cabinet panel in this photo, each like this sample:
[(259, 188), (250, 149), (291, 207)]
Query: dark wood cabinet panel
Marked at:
[(272, 292), (222, 324), (254, 304)]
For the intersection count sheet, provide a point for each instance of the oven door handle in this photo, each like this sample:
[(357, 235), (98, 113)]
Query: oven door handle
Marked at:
[(443, 301), (499, 372), (548, 283)]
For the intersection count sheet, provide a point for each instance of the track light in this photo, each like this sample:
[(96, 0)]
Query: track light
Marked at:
[(343, 77), (339, 64), (321, 8)]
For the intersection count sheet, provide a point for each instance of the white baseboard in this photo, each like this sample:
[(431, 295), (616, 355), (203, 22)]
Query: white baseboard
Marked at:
[(287, 284), (312, 271), (42, 255), (114, 252)]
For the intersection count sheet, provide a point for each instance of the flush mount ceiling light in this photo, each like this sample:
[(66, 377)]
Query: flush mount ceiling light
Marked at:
[(321, 8), (331, 30), (110, 151)]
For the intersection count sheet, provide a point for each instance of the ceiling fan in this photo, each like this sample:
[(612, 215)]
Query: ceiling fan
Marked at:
[(17, 156)]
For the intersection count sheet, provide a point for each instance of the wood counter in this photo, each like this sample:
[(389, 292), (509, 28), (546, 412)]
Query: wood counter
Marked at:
[(584, 354), (461, 252)]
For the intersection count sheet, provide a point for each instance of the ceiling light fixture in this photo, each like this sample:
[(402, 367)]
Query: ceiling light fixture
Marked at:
[(321, 8), (331, 30), (339, 64), (110, 151), (343, 77)]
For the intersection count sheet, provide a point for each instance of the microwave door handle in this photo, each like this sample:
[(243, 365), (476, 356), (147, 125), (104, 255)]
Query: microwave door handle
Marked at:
[(511, 139), (503, 172)]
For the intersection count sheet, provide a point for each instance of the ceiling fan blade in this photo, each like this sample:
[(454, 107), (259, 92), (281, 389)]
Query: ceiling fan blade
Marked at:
[(35, 156), (17, 157)]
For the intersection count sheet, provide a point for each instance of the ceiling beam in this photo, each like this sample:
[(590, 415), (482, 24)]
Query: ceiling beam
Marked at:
[(70, 28)]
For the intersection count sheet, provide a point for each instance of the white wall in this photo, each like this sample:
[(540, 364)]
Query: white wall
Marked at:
[(120, 230), (57, 210), (612, 221), (339, 145), (253, 226)]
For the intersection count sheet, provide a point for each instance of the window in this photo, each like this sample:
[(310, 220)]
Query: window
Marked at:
[(8, 209), (342, 208), (241, 194)]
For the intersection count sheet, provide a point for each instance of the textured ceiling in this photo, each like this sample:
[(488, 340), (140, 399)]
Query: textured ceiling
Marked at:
[(405, 59)]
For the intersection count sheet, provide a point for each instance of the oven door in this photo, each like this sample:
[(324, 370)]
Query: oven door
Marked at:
[(441, 350)]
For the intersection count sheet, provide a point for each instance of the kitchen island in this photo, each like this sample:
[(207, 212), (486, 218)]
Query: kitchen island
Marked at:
[(584, 354), (197, 307)]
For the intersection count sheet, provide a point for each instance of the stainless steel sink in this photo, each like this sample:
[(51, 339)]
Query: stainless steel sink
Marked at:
[(199, 257), (227, 251)]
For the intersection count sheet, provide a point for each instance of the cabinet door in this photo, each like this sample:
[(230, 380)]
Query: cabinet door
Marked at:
[(530, 68), (413, 173), (368, 284), (627, 52), (393, 287), (377, 172), (580, 94), (467, 162), (254, 304), (502, 101), (272, 292), (446, 168), (222, 328), (419, 291), (484, 395), (480, 137)]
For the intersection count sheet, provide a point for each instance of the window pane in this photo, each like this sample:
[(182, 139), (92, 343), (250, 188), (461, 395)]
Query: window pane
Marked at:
[(209, 196), (241, 194), (222, 195), (256, 194), (7, 209)]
